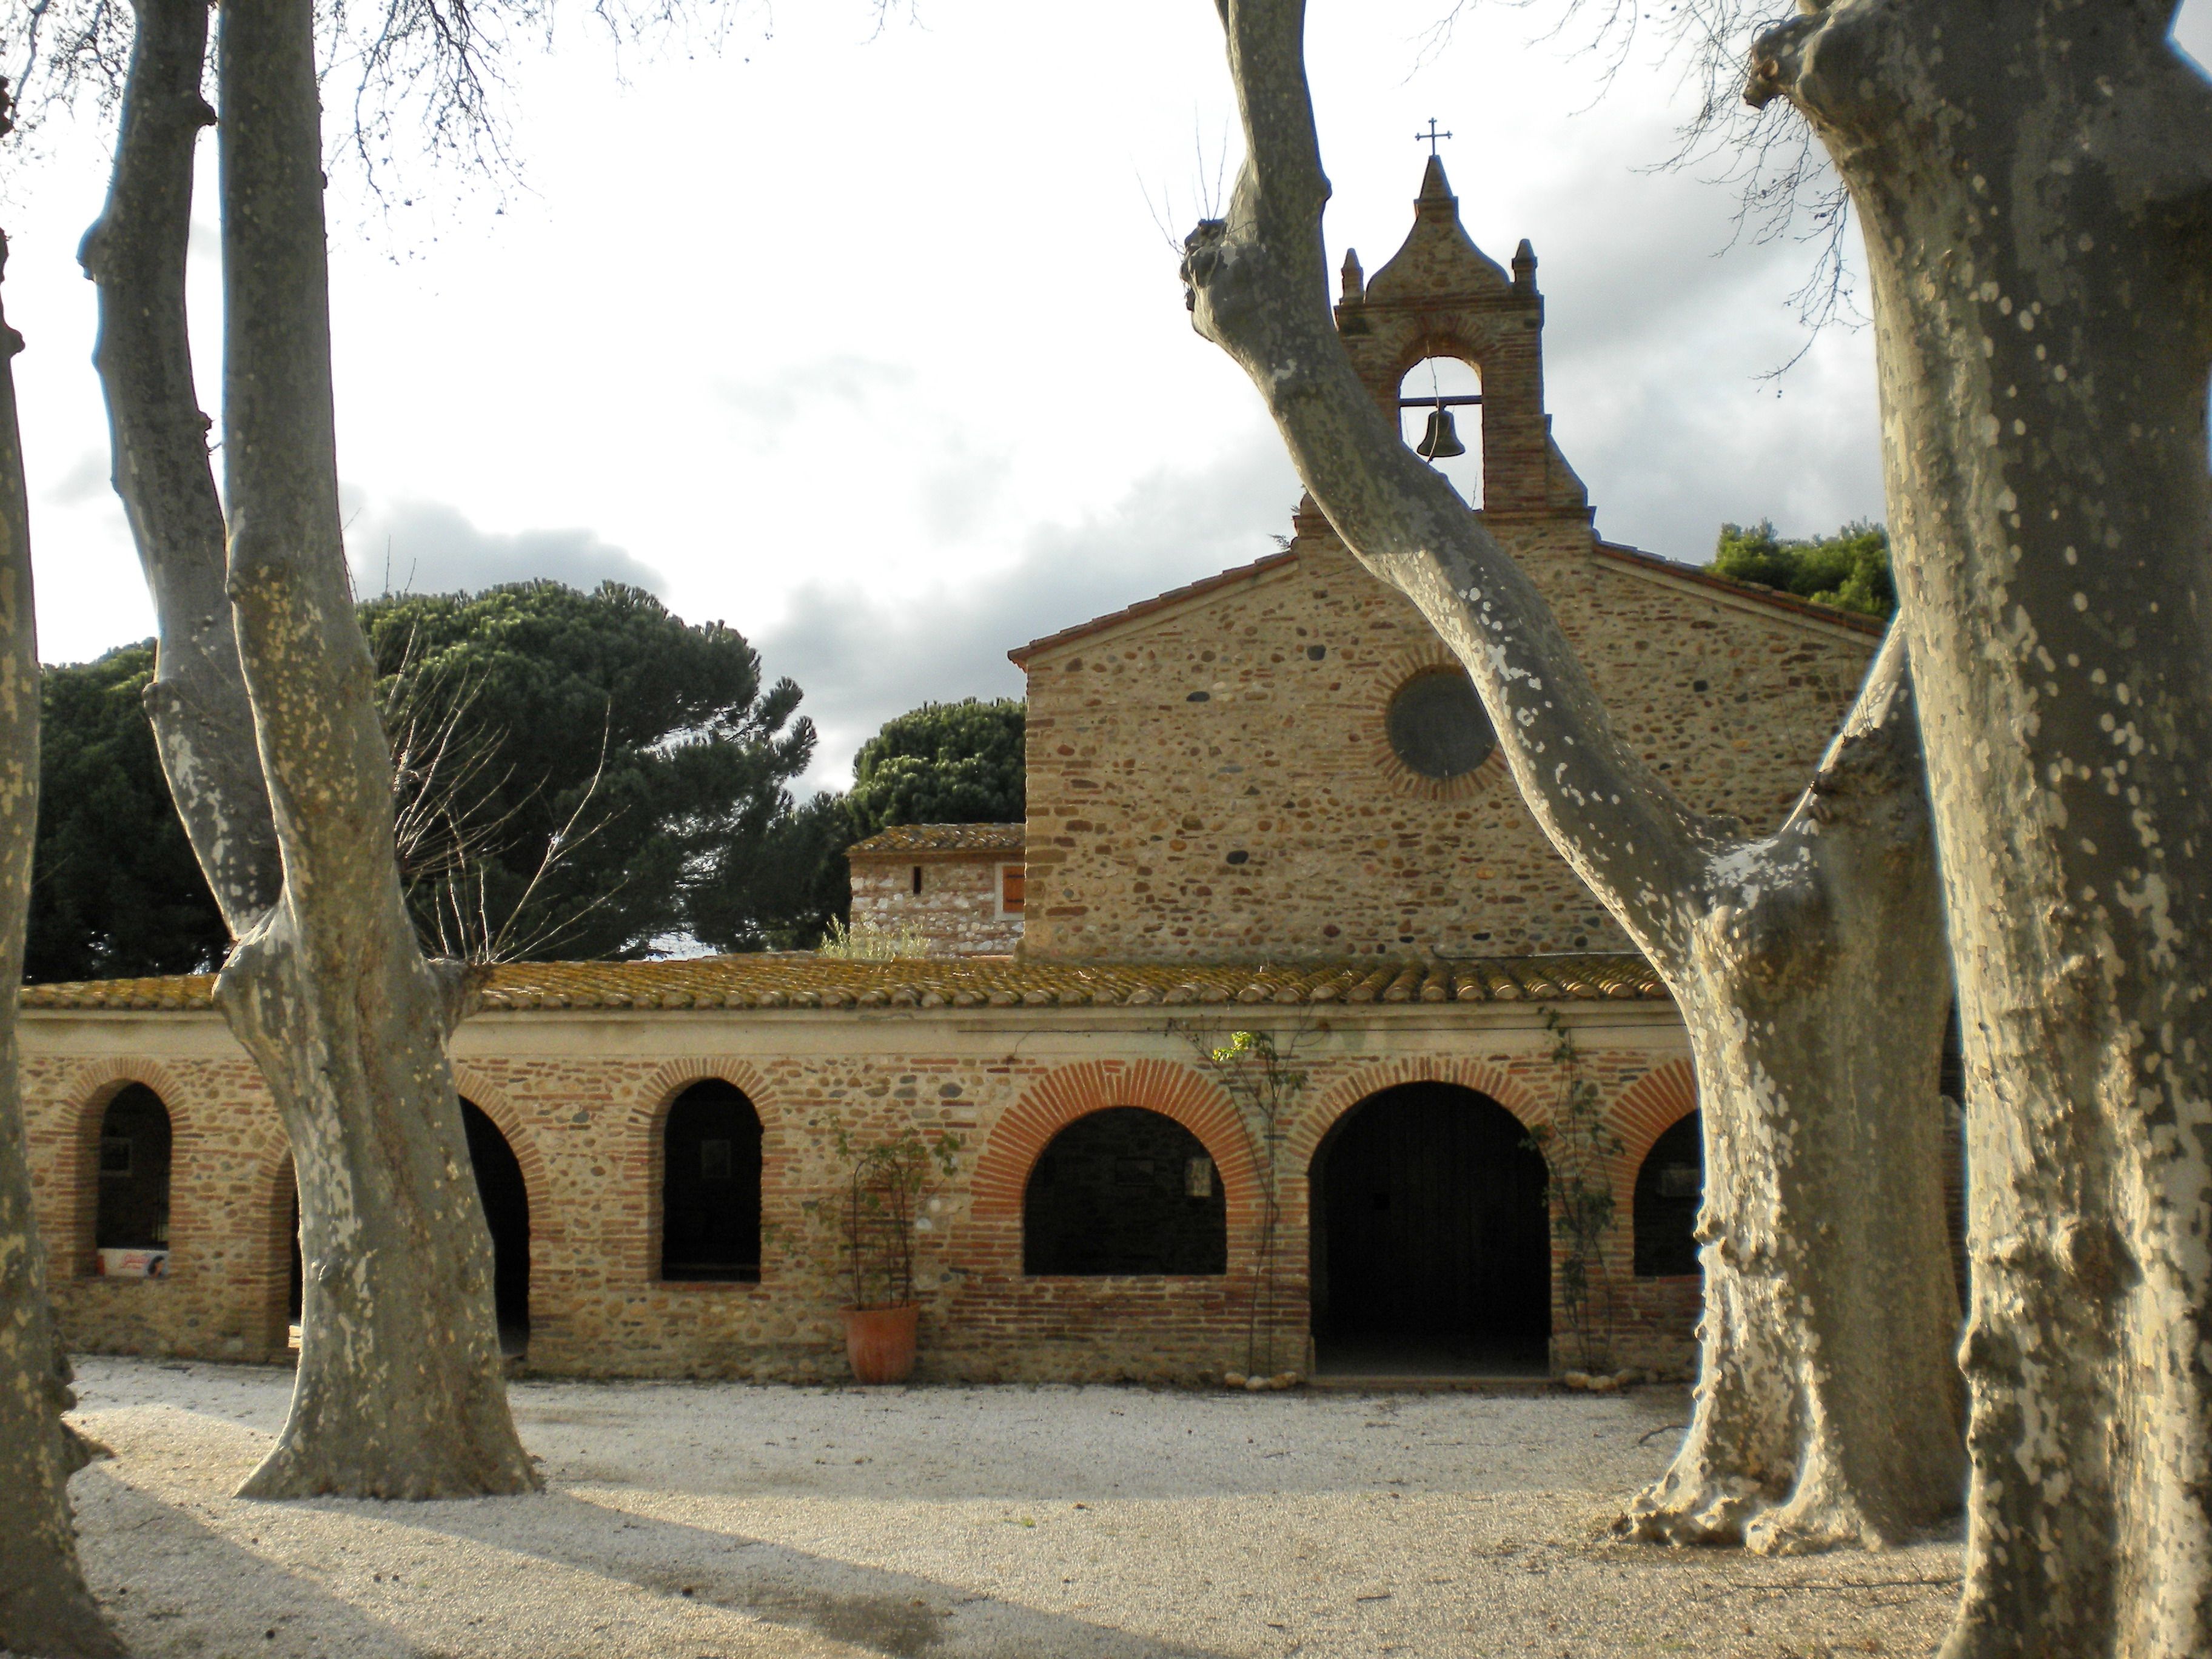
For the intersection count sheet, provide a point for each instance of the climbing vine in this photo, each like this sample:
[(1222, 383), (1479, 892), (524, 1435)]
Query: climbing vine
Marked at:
[(1262, 1076), (1578, 1151)]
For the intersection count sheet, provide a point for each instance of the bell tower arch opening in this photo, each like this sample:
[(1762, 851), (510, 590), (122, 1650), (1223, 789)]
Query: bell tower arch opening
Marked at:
[(1440, 417)]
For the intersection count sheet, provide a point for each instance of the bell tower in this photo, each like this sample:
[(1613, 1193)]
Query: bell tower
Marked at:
[(1441, 296)]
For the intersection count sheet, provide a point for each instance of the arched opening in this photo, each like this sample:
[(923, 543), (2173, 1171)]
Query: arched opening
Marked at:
[(1125, 1190), (1951, 1085), (1670, 1185), (506, 1202), (1446, 387), (131, 1224), (1431, 1240), (710, 1189), (506, 1209)]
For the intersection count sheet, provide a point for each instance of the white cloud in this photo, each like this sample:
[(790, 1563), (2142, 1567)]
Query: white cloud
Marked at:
[(428, 547), (862, 657)]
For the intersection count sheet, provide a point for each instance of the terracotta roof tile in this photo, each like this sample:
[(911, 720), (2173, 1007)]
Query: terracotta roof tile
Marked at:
[(940, 838), (799, 980)]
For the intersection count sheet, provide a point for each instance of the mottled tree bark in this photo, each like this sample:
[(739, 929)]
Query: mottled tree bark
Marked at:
[(1809, 964), (2035, 181), (136, 253), (46, 1607), (282, 774)]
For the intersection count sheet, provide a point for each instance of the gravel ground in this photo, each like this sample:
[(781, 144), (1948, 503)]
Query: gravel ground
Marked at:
[(710, 1522)]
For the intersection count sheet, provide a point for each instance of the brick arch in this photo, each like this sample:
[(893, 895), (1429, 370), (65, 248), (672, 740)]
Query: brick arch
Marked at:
[(1648, 1107), (490, 1098), (1456, 335), (90, 1089), (990, 1240), (270, 1188), (644, 1127), (1054, 1102), (650, 1109), (1483, 1077)]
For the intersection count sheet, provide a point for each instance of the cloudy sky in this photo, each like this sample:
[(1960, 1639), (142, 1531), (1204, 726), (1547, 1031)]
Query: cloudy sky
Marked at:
[(871, 344)]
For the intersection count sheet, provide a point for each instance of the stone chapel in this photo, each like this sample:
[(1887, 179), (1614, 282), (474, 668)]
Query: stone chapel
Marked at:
[(1268, 801)]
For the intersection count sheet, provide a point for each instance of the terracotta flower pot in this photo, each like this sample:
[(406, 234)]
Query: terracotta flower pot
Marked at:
[(879, 1343)]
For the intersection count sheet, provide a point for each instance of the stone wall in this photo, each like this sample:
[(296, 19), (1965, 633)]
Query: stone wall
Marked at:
[(958, 909), (581, 1096), (1212, 779)]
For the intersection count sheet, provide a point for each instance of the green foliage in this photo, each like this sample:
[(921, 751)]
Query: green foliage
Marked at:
[(1266, 1081), (115, 891), (1849, 570), (1578, 1152), (944, 762), (872, 944), (779, 891), (643, 746)]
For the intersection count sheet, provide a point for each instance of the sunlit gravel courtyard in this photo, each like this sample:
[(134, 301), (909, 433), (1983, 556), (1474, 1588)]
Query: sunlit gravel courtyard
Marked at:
[(684, 1521)]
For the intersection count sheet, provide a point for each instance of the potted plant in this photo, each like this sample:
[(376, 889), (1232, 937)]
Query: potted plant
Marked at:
[(876, 1219)]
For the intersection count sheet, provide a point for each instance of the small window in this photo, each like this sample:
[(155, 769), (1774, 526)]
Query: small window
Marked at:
[(133, 1173), (1669, 1190), (917, 881), (1011, 886), (1438, 725), (1125, 1191), (710, 1198)]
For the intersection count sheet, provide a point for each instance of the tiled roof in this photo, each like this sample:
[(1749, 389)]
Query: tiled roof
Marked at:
[(797, 981), (940, 838)]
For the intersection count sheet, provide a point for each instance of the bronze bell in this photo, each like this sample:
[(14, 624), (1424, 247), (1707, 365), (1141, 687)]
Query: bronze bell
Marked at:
[(1441, 442)]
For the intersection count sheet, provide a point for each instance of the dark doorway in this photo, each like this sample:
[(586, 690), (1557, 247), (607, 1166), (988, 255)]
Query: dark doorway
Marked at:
[(506, 1209), (506, 1202), (1125, 1191), (1431, 1242), (133, 1173), (710, 1193), (1669, 1189)]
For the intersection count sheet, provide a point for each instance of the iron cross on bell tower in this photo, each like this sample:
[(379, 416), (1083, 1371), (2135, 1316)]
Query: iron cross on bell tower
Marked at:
[(1432, 137)]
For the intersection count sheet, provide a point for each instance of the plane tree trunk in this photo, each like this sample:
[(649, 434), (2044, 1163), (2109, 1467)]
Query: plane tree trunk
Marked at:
[(46, 1607), (1809, 964), (274, 750), (2035, 182)]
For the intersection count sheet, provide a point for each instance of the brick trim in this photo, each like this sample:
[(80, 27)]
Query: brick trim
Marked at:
[(1483, 1077), (1651, 1106), (270, 1270), (1373, 734), (490, 1098), (95, 1084), (646, 1123), (991, 1242), (1639, 1115)]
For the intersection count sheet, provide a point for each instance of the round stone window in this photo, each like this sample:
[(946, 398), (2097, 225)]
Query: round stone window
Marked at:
[(1437, 727)]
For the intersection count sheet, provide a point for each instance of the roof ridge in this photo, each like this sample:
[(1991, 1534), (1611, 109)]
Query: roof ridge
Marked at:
[(1174, 596), (1705, 576), (753, 981)]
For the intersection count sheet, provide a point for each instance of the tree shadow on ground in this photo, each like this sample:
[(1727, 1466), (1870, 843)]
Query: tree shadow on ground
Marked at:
[(898, 1614), (170, 1583)]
